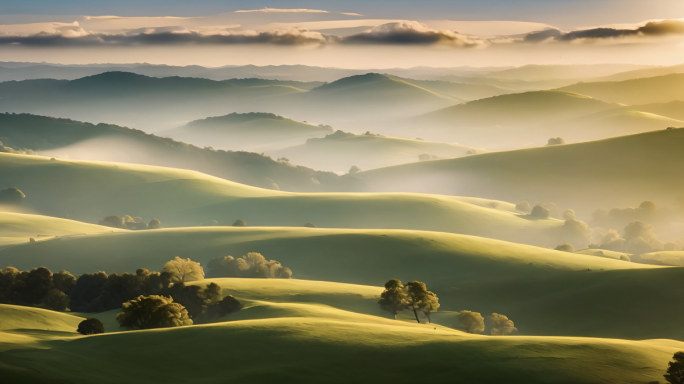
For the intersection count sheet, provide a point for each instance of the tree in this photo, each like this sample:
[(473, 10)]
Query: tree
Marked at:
[(541, 212), (146, 312), (393, 299), (182, 270), (114, 221), (555, 141), (91, 326), (675, 369), (523, 206), (473, 321), (354, 169), (239, 223), (11, 195), (420, 299), (565, 248), (309, 225), (501, 325), (56, 300), (227, 305), (155, 224), (252, 265), (63, 281)]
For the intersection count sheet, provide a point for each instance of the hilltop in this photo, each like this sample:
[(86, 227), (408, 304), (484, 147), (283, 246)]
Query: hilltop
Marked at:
[(245, 131), (16, 228), (620, 171), (658, 89), (340, 151)]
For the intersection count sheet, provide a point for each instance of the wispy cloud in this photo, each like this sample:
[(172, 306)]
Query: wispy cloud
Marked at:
[(650, 29), (296, 10), (412, 33)]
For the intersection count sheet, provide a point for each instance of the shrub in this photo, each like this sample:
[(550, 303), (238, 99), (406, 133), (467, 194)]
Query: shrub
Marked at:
[(114, 221), (91, 326), (11, 195), (146, 312), (155, 224), (565, 248), (239, 223), (501, 325), (555, 141), (354, 169), (540, 212), (473, 321), (252, 265)]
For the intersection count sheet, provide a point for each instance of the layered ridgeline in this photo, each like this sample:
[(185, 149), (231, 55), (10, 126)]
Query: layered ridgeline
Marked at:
[(246, 131), (302, 333), (531, 118), (658, 89), (135, 100), (340, 151), (91, 191), (617, 172), (575, 72), (645, 72), (64, 138)]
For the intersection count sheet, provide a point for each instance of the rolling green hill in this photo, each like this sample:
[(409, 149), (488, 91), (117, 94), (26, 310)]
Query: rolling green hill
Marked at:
[(90, 191), (502, 120), (17, 228), (658, 89), (341, 150), (248, 131), (64, 138), (621, 171)]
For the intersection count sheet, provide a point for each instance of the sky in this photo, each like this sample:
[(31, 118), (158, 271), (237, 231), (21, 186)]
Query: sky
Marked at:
[(350, 33)]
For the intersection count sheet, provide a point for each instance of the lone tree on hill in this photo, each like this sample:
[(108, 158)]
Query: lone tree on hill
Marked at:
[(541, 212), (91, 326), (675, 369), (393, 299), (146, 312), (473, 321), (501, 325), (11, 195), (183, 270), (420, 299), (239, 223)]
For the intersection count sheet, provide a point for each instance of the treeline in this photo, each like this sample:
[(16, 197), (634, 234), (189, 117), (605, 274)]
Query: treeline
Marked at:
[(128, 222), (415, 296)]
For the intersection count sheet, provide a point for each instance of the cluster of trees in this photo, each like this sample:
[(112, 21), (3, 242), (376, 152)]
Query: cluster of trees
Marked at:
[(414, 296), (36, 288), (475, 323), (128, 222), (11, 195), (638, 237), (252, 265)]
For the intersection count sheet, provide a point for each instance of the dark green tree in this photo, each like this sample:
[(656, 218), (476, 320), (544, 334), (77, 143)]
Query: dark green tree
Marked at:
[(146, 312), (239, 223), (420, 299), (11, 195), (227, 305), (155, 224), (393, 299), (91, 326), (675, 369)]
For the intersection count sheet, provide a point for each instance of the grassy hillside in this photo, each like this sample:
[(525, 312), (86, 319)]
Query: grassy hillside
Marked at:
[(658, 89), (540, 289), (459, 90), (247, 131), (90, 191), (295, 336), (341, 150), (614, 172), (134, 100), (502, 120), (26, 327), (18, 227), (65, 138)]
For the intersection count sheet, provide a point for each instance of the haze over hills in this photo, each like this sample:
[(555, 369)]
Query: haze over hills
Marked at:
[(646, 72), (555, 72), (502, 120), (76, 140), (341, 150), (620, 171), (658, 89), (247, 131)]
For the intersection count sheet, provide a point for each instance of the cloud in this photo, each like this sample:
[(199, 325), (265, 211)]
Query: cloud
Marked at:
[(411, 33), (170, 36), (296, 10), (652, 28)]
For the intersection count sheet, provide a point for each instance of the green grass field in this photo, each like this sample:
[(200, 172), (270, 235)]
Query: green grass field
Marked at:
[(90, 191)]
